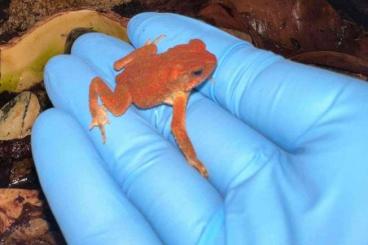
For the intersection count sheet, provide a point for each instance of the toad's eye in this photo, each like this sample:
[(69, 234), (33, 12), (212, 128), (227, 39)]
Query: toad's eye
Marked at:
[(197, 73)]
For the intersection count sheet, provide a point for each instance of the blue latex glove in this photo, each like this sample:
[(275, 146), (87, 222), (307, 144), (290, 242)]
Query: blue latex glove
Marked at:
[(285, 145)]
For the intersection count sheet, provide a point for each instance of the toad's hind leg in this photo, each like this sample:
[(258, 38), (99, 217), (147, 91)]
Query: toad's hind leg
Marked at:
[(117, 102), (180, 133)]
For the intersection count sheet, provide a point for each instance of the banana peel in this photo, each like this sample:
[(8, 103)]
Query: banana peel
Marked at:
[(23, 58)]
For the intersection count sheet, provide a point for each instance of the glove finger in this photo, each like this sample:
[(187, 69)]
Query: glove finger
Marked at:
[(88, 205), (316, 115), (174, 198), (279, 98), (243, 151)]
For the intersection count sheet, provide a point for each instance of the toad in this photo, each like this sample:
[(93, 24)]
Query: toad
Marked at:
[(150, 78)]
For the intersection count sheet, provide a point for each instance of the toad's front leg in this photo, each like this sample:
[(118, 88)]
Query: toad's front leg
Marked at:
[(117, 102), (180, 133), (148, 49)]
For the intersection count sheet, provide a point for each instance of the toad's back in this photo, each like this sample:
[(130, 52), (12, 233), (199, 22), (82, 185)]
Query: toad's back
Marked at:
[(153, 79), (148, 81)]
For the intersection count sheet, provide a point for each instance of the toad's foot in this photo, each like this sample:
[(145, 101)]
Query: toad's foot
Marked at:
[(156, 40), (199, 166), (99, 119)]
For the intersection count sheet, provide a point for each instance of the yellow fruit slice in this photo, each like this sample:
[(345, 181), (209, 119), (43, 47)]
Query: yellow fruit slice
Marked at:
[(22, 59)]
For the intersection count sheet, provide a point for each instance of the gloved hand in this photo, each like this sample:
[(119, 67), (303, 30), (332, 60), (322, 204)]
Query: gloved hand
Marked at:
[(285, 145)]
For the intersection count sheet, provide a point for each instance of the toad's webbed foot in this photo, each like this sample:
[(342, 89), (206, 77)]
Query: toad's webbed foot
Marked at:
[(100, 119), (199, 166)]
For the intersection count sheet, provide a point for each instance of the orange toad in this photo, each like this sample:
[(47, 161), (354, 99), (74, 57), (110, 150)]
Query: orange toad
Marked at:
[(150, 79)]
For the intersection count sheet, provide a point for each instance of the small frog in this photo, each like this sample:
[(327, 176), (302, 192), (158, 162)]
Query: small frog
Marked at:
[(150, 79)]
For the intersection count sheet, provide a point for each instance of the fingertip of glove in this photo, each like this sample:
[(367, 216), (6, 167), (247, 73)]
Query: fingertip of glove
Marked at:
[(45, 125), (137, 21), (53, 65), (37, 129), (150, 25), (89, 41), (51, 127)]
